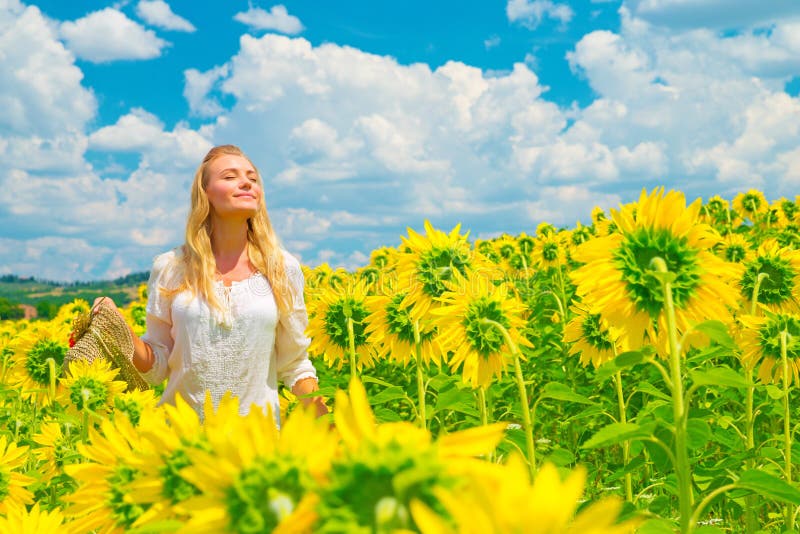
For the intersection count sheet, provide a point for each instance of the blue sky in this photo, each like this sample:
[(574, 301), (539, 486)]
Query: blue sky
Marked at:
[(369, 117)]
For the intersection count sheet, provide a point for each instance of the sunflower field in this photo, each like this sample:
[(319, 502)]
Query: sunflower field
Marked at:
[(634, 375)]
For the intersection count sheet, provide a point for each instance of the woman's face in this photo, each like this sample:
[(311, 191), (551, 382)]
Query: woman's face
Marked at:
[(233, 188)]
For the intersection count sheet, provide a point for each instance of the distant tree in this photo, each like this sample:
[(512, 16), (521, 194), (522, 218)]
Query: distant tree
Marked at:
[(10, 310), (46, 309)]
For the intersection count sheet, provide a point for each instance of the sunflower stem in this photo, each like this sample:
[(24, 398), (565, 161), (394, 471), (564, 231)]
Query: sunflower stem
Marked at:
[(483, 406), (421, 390), (751, 501), (51, 366), (351, 340), (787, 431), (523, 394), (626, 445), (525, 267), (682, 468)]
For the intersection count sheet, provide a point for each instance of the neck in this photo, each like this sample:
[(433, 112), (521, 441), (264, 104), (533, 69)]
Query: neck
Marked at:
[(229, 242)]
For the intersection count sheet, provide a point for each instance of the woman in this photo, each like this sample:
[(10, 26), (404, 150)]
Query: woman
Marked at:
[(225, 311)]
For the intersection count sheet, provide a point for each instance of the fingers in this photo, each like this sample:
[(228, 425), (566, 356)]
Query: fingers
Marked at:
[(103, 301)]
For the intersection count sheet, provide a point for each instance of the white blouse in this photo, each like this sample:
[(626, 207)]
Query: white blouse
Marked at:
[(244, 350)]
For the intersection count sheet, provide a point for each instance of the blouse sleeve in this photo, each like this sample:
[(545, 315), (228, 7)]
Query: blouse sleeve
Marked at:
[(158, 320), (291, 343)]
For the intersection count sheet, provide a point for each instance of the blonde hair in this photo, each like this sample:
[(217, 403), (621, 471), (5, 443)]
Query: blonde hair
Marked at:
[(264, 251)]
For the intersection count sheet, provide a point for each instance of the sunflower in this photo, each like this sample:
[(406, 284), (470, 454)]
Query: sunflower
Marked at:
[(384, 467), (36, 521), (545, 229), (135, 404), (781, 265), (760, 340), (616, 279), (505, 246), (580, 234), (91, 386), (716, 212), (502, 499), (161, 488), (750, 205), (56, 449), (253, 478), (486, 247), (32, 350), (112, 459), (734, 248), (550, 251), (428, 263), (601, 225), (591, 336), (135, 313), (13, 484), (477, 346), (383, 258), (391, 329), (330, 312), (67, 312)]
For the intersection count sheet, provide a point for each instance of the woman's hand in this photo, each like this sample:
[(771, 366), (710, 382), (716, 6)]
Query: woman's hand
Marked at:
[(143, 357), (306, 386)]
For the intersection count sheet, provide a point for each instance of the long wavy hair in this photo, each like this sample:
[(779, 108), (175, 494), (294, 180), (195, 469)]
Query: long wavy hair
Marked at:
[(263, 250)]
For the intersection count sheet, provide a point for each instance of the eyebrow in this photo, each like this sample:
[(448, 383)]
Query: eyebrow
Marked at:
[(249, 171)]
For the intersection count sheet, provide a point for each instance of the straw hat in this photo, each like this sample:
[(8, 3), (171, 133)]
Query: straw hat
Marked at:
[(103, 333)]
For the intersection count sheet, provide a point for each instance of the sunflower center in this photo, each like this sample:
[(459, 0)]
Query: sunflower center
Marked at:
[(131, 408), (776, 287), (507, 249), (436, 267), (751, 202), (594, 333), (176, 488), (735, 253), (370, 274), (391, 475), (485, 339), (124, 513), (526, 245), (262, 495), (398, 320), (580, 235), (789, 236), (88, 393), (770, 336), (36, 363), (336, 322), (789, 209), (633, 258), (550, 251)]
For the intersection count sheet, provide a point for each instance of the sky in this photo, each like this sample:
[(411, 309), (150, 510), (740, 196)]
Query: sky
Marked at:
[(367, 118)]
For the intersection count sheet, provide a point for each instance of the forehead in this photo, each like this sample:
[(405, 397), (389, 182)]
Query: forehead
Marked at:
[(229, 161)]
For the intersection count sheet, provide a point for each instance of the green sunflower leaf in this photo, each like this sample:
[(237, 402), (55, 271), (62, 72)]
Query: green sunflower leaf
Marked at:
[(717, 332), (718, 376), (769, 486), (558, 391), (615, 433)]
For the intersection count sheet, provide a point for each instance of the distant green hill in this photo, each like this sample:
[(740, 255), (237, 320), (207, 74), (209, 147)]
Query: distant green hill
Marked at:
[(46, 296)]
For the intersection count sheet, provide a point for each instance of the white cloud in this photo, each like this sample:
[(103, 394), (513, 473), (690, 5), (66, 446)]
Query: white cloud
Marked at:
[(142, 132), (40, 87), (491, 42), (197, 87), (158, 13), (277, 19), (531, 13), (686, 14), (109, 35)]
